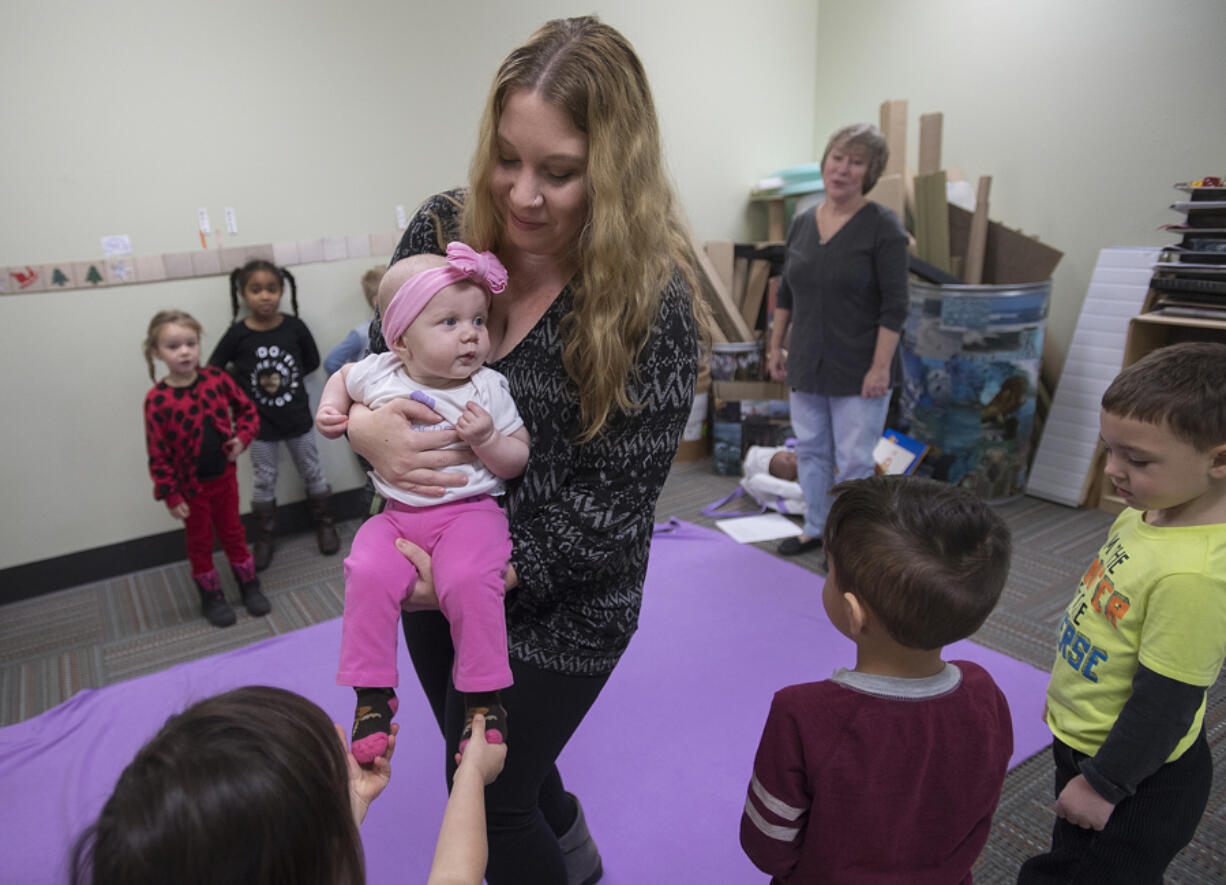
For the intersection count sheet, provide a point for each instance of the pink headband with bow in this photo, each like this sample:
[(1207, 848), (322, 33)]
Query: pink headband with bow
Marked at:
[(463, 263)]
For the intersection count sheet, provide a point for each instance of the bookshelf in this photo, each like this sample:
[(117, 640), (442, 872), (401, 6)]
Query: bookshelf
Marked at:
[(1187, 294)]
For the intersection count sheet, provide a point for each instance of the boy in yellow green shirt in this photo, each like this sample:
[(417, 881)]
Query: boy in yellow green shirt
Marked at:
[(1145, 634)]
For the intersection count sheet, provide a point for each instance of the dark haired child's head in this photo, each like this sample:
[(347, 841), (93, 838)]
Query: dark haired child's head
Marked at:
[(928, 560), (247, 786), (370, 284), (1182, 386), (1163, 427), (165, 325), (260, 284), (783, 465)]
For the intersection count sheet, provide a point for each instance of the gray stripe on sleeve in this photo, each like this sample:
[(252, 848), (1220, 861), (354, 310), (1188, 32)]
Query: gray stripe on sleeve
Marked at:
[(773, 805), (781, 834)]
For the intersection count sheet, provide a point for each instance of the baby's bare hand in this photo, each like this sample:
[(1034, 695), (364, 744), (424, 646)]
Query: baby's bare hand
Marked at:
[(331, 422), (475, 425)]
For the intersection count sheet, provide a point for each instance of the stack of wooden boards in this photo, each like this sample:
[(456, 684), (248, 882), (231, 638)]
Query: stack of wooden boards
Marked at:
[(737, 278), (962, 246)]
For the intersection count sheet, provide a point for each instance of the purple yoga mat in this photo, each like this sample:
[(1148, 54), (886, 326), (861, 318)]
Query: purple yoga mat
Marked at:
[(661, 762)]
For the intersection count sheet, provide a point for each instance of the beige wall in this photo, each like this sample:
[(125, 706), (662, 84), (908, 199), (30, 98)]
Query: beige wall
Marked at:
[(1084, 112), (309, 119)]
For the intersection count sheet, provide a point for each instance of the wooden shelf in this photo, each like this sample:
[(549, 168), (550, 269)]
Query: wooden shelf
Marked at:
[(1149, 331), (1166, 320)]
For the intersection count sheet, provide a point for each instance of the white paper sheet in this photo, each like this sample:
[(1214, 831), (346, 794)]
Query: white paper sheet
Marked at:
[(116, 245), (764, 527)]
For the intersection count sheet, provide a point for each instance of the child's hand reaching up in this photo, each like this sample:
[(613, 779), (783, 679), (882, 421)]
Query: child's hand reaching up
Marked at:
[(475, 425), (331, 422), (462, 851), (366, 782), (486, 759), (1080, 804)]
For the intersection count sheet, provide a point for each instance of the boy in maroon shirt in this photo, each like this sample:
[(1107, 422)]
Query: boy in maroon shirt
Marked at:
[(890, 772)]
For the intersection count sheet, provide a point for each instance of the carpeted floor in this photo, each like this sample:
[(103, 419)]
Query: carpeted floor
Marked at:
[(749, 635), (94, 635)]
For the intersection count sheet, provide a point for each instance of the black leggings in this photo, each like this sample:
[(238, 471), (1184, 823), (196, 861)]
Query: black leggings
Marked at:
[(1143, 834), (526, 809)]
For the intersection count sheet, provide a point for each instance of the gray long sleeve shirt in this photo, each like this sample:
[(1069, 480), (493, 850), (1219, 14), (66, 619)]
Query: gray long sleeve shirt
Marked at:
[(839, 293)]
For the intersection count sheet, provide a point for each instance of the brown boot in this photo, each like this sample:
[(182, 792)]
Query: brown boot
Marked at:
[(265, 513), (325, 529)]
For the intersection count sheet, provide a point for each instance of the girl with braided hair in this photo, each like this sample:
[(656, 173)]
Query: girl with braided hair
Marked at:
[(270, 353)]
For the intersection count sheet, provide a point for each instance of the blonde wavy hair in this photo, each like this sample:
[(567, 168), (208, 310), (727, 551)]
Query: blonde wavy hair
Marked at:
[(632, 242), (165, 318)]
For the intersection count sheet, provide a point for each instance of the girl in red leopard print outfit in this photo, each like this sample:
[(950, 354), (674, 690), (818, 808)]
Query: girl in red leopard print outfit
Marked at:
[(197, 423)]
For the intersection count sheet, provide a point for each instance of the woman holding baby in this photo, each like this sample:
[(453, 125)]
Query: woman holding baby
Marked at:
[(597, 333)]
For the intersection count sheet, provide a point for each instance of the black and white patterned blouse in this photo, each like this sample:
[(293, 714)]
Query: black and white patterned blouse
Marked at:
[(581, 515)]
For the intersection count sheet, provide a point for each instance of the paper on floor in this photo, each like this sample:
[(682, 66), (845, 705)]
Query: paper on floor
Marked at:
[(765, 527)]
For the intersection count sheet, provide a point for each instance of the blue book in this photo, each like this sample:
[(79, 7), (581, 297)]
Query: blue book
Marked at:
[(898, 453)]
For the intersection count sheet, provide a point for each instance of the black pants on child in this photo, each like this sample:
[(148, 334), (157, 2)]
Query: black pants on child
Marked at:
[(1143, 834), (526, 809)]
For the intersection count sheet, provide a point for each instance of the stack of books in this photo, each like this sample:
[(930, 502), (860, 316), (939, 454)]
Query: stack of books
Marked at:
[(1190, 278)]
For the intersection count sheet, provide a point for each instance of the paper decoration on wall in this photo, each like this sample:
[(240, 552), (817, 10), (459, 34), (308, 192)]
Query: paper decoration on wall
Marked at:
[(116, 245), (285, 254), (402, 220), (28, 278), (150, 269), (262, 252), (232, 258), (384, 244), (231, 222), (202, 219), (88, 274), (335, 248), (120, 268), (178, 265), (61, 277), (310, 251), (120, 271), (206, 264), (23, 279)]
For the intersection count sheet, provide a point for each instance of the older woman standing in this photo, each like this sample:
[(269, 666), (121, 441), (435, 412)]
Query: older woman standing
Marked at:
[(597, 336), (844, 292)]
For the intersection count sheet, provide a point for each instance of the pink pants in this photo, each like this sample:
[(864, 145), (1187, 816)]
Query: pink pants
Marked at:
[(469, 546)]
